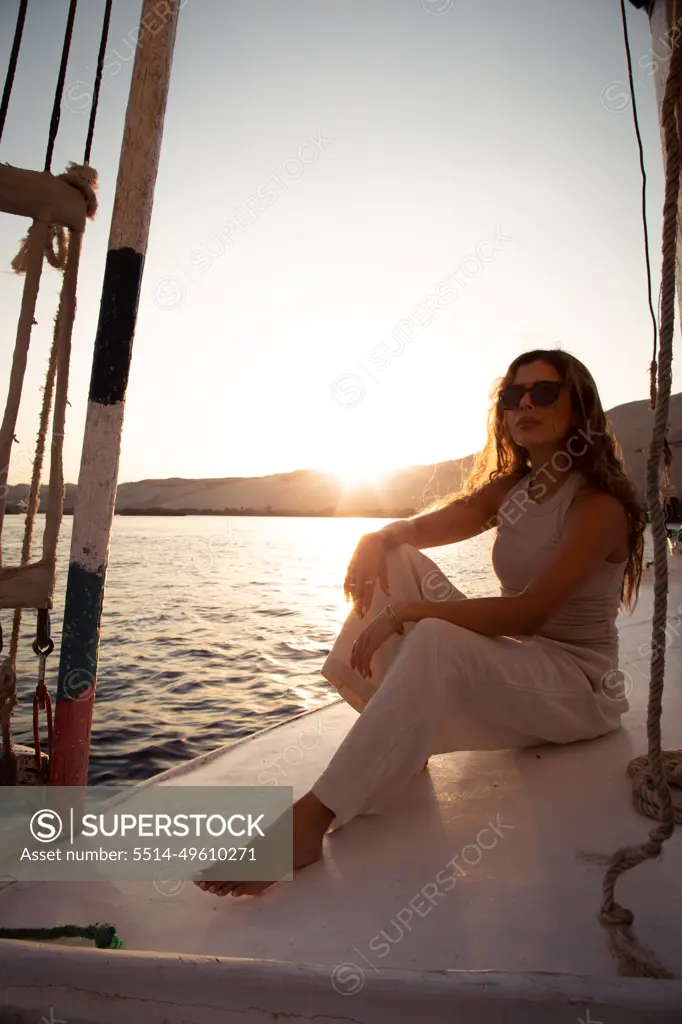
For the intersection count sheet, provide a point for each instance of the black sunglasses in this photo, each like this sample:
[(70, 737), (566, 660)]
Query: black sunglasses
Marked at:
[(542, 392)]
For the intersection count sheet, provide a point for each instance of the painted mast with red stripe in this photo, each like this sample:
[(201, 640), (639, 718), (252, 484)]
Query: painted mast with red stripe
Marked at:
[(98, 477)]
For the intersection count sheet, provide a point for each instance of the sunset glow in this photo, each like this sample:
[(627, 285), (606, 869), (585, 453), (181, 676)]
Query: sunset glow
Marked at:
[(358, 472), (333, 294)]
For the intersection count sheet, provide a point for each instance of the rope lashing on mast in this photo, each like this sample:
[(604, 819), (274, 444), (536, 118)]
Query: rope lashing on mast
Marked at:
[(652, 791)]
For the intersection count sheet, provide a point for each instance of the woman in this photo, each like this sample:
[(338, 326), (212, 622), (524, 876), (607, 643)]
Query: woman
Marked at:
[(433, 672)]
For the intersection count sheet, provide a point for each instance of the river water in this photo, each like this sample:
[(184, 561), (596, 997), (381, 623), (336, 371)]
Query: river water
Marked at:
[(213, 628)]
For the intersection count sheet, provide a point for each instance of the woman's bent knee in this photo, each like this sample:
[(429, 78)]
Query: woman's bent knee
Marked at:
[(401, 552)]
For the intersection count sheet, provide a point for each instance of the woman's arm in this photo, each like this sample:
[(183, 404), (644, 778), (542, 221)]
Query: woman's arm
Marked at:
[(595, 526), (461, 519)]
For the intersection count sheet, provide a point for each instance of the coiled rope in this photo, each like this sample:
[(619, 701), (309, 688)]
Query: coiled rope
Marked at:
[(103, 935)]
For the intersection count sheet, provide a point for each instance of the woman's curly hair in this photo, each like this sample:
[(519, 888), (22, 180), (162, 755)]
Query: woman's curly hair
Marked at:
[(599, 461)]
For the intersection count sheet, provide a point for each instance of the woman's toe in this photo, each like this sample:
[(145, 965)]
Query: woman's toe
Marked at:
[(222, 888)]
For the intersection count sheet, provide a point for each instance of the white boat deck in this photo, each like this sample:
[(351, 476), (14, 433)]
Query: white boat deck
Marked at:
[(528, 903)]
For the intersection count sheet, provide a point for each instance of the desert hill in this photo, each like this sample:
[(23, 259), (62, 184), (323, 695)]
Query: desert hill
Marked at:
[(308, 492)]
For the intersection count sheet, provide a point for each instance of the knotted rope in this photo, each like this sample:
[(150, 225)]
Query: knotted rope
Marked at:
[(39, 241), (82, 177), (645, 796), (633, 960), (54, 248)]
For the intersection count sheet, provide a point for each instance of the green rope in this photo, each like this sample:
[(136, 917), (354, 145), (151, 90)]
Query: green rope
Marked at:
[(104, 935)]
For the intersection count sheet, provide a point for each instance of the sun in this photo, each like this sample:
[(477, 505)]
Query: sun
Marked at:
[(357, 473), (357, 476)]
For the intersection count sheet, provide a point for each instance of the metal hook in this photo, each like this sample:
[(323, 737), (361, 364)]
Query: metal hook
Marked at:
[(43, 643)]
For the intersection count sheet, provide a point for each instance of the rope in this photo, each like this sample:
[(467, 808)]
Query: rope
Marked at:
[(8, 700), (57, 106), (12, 66), (654, 366), (29, 261), (63, 330), (633, 960), (103, 935), (9, 665), (98, 80), (34, 248), (84, 178), (54, 249), (644, 794)]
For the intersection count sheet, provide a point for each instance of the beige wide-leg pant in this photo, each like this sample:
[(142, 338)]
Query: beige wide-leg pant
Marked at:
[(441, 688)]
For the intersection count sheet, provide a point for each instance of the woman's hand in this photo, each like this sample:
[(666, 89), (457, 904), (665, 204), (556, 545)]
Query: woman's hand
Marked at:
[(367, 565), (370, 640)]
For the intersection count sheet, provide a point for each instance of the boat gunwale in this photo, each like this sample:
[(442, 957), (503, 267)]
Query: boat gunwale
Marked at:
[(233, 987)]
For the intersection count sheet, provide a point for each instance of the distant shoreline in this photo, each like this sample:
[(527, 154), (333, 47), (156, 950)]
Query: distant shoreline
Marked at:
[(402, 513), (672, 522), (276, 513)]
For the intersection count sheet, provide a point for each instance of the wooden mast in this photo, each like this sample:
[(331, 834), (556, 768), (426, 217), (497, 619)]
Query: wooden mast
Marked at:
[(98, 477)]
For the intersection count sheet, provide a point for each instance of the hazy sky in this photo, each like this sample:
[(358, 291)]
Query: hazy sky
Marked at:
[(479, 139)]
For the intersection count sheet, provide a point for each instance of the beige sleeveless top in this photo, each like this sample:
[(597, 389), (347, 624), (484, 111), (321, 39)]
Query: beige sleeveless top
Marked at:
[(527, 537)]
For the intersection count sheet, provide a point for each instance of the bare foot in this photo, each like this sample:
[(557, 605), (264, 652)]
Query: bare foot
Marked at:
[(310, 821)]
